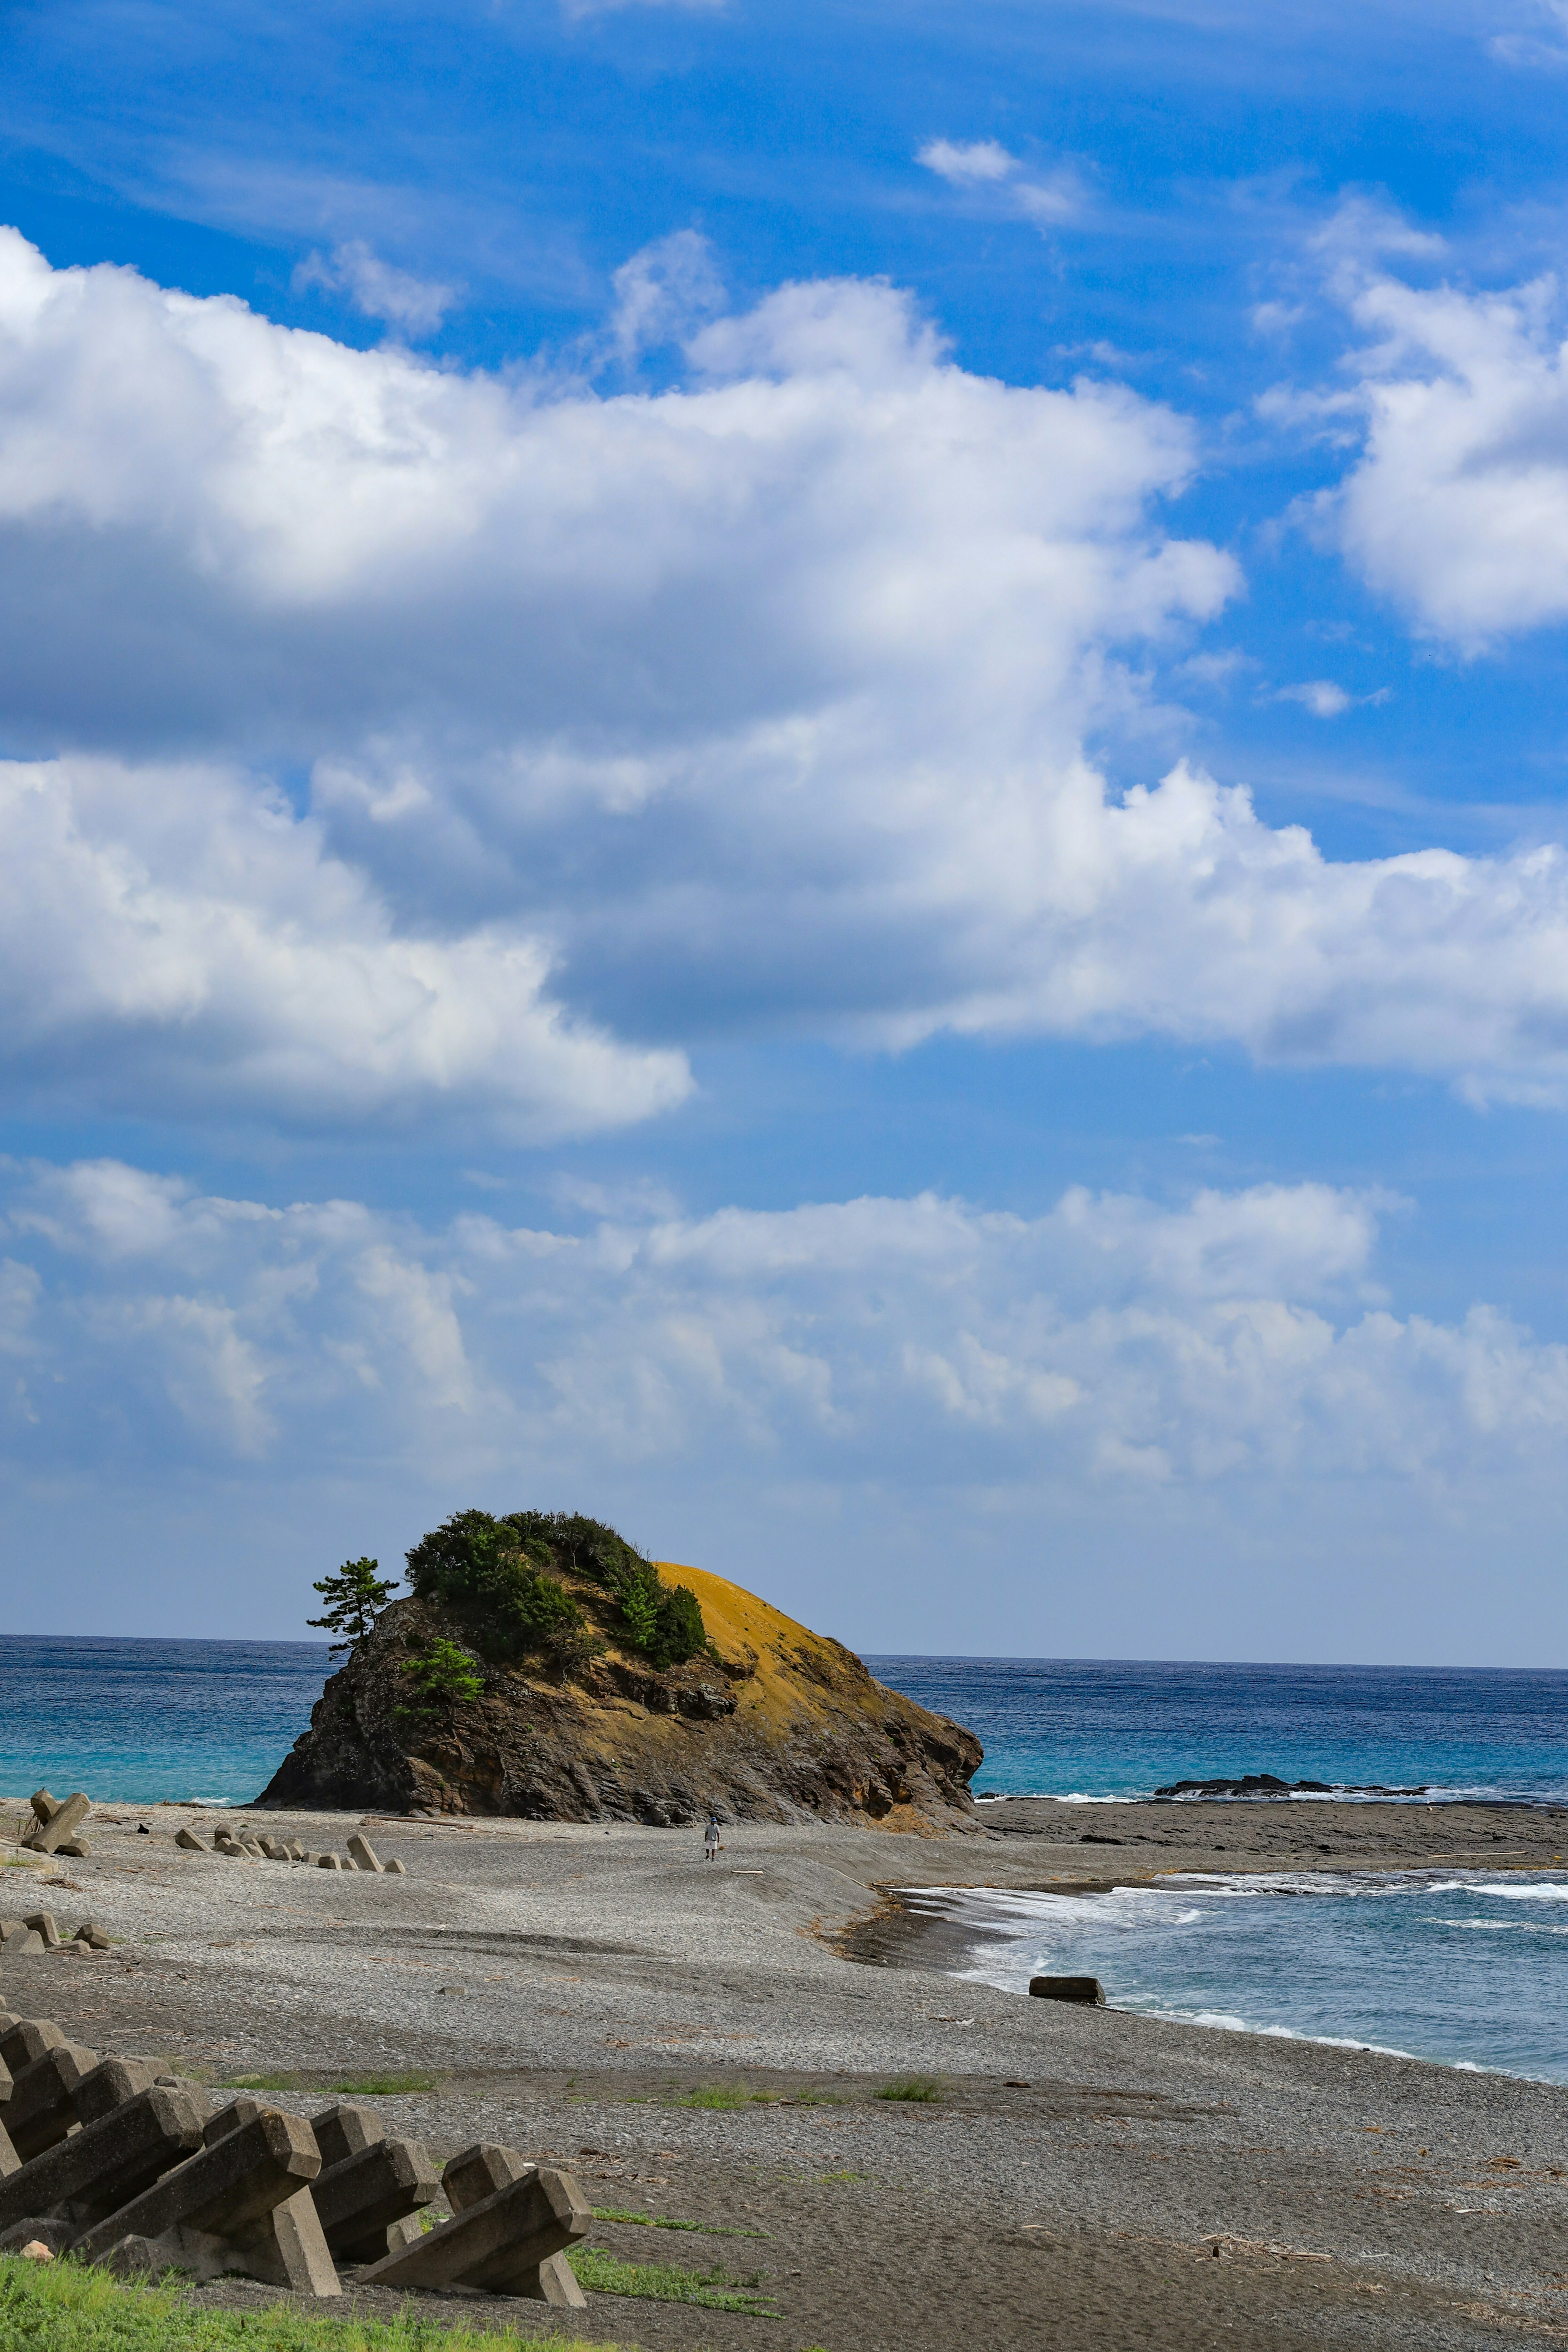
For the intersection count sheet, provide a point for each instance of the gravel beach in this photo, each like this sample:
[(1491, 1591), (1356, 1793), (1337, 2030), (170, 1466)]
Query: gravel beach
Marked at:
[(1086, 2177)]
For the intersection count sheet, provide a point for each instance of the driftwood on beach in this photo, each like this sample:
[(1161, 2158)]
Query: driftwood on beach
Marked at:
[(120, 2165)]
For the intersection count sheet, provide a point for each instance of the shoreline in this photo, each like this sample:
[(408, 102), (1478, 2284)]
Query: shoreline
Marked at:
[(697, 2042)]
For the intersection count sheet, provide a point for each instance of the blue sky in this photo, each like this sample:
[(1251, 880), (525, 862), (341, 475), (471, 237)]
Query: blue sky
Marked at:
[(799, 775)]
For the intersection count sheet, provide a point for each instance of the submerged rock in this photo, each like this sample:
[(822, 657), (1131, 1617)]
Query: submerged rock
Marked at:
[(768, 1722), (1267, 1784)]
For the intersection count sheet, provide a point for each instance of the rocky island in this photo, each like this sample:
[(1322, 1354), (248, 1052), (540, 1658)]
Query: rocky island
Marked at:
[(541, 1667)]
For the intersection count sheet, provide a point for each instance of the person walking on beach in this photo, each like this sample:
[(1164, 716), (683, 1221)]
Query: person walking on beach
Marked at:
[(712, 1841)]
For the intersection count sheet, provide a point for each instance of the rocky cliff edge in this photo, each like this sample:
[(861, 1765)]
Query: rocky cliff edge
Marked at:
[(771, 1723)]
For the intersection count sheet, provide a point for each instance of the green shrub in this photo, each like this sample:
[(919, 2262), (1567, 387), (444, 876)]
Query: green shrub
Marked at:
[(917, 2088), (503, 1577), (444, 1676)]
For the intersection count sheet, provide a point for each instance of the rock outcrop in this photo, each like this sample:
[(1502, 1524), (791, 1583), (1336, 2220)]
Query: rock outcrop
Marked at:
[(769, 1722)]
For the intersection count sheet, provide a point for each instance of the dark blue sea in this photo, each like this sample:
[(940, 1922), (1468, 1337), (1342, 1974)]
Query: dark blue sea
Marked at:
[(1468, 1967)]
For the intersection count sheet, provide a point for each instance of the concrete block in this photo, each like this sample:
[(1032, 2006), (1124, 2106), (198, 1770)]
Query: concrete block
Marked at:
[(111, 2161), (22, 1947), (358, 2200), (362, 1851), (41, 2108), (9, 1927), (230, 2118), (493, 2244), (37, 2229), (344, 2131), (1086, 1990), (554, 2282), (113, 2081), (328, 1862), (191, 1842), (45, 1807), (10, 2160), (76, 1849), (478, 2173), (91, 1934), (297, 1851), (406, 2232), (138, 2260), (23, 2041), (43, 1923), (63, 1822), (226, 2191)]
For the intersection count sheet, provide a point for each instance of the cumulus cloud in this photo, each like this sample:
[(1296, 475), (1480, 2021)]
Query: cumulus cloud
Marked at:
[(756, 705), (1100, 1399), (664, 293), (1235, 1337), (376, 289), (984, 164), (1457, 506), (177, 939)]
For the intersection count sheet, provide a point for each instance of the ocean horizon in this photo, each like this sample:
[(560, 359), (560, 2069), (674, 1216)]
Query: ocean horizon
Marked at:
[(138, 1720), (1399, 1960)]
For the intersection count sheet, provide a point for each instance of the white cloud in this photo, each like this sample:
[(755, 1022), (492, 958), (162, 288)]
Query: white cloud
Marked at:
[(1233, 1350), (376, 289), (176, 937), (986, 165), (664, 293), (1458, 507), (1321, 696), (968, 163), (757, 704)]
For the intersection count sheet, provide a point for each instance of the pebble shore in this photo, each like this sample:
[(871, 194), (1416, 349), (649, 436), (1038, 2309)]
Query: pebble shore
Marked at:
[(1086, 2179)]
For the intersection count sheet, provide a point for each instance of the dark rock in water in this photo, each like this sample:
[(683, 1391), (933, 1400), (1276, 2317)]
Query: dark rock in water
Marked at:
[(1268, 1784), (767, 1722), (1088, 1990)]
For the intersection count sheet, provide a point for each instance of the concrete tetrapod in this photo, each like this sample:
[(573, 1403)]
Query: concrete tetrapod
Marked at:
[(502, 2240), (242, 2204), (52, 1828), (367, 2183), (109, 2162), (41, 2108)]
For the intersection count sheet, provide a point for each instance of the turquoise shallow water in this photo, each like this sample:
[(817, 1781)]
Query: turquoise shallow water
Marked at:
[(1121, 1728), (1462, 1967), (141, 1720)]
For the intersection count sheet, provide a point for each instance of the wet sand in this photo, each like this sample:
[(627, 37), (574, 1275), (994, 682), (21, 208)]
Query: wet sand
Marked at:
[(1086, 2179)]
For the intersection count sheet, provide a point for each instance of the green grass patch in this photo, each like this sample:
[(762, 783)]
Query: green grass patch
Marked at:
[(725, 2101), (382, 2087), (360, 2086), (61, 2307), (664, 2222), (603, 2274), (918, 2089)]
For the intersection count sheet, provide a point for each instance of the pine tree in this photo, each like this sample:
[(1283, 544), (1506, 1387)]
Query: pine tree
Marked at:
[(353, 1597)]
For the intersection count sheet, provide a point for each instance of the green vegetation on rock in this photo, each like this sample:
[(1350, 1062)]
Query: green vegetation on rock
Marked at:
[(444, 1676), (504, 1579), (355, 1598)]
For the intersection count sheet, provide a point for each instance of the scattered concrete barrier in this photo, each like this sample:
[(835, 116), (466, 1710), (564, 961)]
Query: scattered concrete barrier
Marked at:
[(500, 2238), (223, 2210), (41, 2108), (120, 2164), (1087, 1990), (54, 1823), (368, 2183)]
